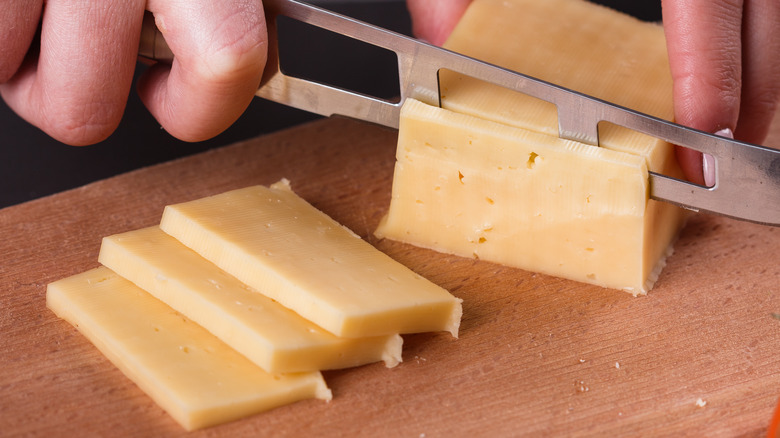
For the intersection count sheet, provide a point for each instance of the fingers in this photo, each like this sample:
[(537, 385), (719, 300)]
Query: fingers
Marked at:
[(220, 51), (760, 69), (726, 72), (18, 23), (433, 21), (77, 87), (705, 57)]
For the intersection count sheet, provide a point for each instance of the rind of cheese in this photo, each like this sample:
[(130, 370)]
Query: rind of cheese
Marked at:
[(577, 220), (277, 243), (270, 335), (191, 374)]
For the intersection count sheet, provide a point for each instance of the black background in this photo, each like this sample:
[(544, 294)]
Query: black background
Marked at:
[(33, 165)]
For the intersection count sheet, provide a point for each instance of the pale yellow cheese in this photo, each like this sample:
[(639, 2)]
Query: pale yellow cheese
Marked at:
[(191, 374), (277, 243), (573, 43), (481, 189), (270, 335), (466, 185)]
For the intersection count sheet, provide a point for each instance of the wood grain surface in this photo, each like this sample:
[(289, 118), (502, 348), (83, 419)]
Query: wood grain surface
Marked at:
[(537, 356)]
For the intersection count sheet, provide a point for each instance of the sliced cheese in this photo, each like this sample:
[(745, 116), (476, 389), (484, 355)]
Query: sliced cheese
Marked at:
[(272, 336), (191, 374), (277, 243), (468, 184)]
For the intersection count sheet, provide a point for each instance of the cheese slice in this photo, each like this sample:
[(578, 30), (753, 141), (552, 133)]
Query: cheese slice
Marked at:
[(466, 184), (270, 335), (191, 374), (277, 243)]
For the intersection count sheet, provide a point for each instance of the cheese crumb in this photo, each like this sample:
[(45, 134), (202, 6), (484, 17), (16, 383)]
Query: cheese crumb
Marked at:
[(580, 387), (701, 403)]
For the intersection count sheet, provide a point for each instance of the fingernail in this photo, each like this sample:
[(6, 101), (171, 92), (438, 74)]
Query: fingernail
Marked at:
[(708, 168), (725, 132), (708, 161)]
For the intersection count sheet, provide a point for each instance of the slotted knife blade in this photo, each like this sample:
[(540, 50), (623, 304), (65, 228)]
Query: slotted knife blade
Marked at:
[(747, 176)]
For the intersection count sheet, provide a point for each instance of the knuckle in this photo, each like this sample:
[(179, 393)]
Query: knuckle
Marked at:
[(722, 89), (238, 49)]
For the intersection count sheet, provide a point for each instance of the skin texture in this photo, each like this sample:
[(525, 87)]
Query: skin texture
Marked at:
[(725, 62), (433, 21), (74, 82)]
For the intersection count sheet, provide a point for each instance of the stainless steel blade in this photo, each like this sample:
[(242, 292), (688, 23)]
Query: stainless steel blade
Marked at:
[(747, 177)]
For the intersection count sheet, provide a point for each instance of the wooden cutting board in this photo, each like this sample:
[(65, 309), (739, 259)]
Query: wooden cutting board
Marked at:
[(698, 356)]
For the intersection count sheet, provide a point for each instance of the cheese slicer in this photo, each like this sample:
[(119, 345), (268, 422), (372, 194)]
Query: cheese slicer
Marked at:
[(747, 176)]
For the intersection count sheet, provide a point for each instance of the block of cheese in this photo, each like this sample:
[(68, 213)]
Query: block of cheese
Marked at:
[(467, 184), (277, 243), (269, 334), (191, 374), (573, 43), (477, 188)]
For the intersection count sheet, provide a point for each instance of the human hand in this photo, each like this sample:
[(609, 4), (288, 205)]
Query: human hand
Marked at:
[(74, 83), (433, 21), (725, 63)]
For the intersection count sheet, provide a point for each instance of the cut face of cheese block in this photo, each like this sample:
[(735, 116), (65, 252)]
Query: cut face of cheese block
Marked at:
[(191, 374), (468, 184), (277, 243), (476, 188), (272, 336)]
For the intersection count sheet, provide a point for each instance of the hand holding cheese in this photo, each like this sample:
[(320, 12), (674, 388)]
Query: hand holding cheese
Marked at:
[(724, 60), (723, 57), (74, 82)]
